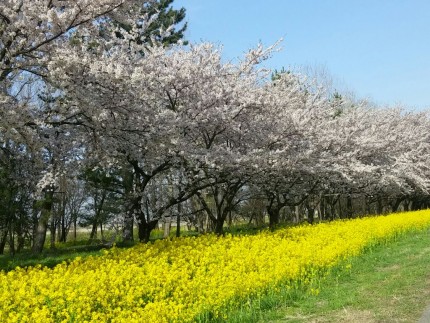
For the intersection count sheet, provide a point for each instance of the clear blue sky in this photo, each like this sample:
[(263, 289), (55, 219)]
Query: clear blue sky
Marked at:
[(379, 49)]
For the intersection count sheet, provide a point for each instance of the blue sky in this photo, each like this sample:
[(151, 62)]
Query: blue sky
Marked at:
[(379, 49)]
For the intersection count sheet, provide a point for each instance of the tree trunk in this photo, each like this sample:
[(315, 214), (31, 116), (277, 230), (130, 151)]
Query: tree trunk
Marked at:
[(52, 230), (368, 211), (379, 208), (34, 220), (11, 242), (339, 201), (93, 233), (132, 205), (208, 223), (259, 217), (416, 205), (127, 233), (3, 241), (219, 225), (321, 208), (311, 213), (230, 219), (64, 230), (101, 231), (349, 206), (75, 223), (273, 217), (201, 218), (296, 214), (20, 241), (167, 226), (406, 205), (20, 235), (145, 229), (396, 204), (58, 228), (178, 221), (42, 225), (332, 201)]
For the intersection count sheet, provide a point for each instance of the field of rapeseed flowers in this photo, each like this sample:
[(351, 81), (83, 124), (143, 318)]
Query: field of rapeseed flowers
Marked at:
[(176, 280)]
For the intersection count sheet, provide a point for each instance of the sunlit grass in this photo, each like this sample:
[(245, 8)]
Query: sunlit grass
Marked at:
[(389, 282)]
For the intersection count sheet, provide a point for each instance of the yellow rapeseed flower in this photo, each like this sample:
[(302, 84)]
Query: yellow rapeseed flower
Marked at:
[(177, 280)]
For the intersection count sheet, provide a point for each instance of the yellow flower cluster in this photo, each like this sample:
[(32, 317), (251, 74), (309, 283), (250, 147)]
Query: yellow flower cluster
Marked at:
[(176, 280)]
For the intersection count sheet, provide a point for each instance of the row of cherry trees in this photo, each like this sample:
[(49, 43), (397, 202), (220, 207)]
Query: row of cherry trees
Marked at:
[(163, 129)]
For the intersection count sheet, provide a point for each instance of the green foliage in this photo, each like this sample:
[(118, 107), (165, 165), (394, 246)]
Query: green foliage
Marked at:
[(336, 102), (105, 196), (14, 203), (276, 75), (166, 17)]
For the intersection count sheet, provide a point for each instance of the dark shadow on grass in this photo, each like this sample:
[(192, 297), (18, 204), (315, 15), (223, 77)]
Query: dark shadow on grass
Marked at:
[(52, 257)]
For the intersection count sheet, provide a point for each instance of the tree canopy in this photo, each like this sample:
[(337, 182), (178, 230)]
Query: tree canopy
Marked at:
[(180, 125)]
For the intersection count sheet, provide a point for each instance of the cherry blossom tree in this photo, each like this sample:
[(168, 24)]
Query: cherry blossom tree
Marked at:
[(29, 33), (79, 87), (175, 110)]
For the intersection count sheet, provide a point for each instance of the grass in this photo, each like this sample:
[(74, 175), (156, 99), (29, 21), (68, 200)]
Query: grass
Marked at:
[(66, 251), (388, 283), (63, 251), (48, 258)]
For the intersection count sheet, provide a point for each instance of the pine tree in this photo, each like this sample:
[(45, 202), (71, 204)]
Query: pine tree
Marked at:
[(166, 17)]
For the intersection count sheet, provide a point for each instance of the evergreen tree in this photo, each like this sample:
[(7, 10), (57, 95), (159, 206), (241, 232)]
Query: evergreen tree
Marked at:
[(166, 17)]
